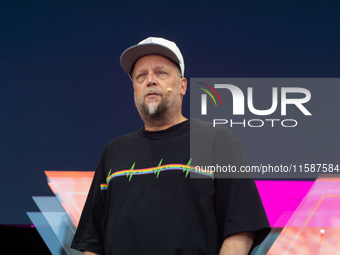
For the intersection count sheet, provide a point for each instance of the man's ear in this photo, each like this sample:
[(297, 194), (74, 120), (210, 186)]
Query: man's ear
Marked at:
[(183, 85)]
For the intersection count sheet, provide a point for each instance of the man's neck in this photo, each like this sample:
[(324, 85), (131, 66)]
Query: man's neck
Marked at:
[(161, 124)]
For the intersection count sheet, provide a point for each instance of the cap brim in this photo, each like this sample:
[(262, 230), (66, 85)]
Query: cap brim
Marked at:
[(132, 54)]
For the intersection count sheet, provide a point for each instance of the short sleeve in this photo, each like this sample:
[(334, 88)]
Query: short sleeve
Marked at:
[(238, 204), (89, 234), (239, 208)]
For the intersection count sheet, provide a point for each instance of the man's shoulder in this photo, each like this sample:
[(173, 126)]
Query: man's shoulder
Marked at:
[(200, 128), (122, 140)]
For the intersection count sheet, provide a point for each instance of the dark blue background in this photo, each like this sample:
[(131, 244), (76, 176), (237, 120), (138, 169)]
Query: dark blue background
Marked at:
[(63, 94)]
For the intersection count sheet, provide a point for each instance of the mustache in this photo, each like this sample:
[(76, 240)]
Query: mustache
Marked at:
[(153, 90)]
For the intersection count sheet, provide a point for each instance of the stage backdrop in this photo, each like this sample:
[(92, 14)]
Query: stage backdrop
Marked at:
[(63, 94)]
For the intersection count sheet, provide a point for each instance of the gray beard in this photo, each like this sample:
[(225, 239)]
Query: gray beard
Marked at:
[(154, 110)]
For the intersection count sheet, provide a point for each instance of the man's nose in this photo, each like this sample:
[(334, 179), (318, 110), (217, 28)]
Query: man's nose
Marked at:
[(151, 79)]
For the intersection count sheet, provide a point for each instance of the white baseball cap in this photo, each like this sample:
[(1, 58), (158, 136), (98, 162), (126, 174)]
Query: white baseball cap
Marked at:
[(151, 45)]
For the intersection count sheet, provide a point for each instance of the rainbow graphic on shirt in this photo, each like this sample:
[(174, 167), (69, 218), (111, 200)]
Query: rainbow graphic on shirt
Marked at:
[(186, 169)]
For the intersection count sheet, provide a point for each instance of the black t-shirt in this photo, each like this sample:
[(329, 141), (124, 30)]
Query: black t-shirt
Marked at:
[(144, 201)]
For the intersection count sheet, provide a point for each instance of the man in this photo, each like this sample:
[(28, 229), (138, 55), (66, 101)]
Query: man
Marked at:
[(142, 200)]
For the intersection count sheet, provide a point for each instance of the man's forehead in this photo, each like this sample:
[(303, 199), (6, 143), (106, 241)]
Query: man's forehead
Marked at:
[(154, 61), (153, 58)]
